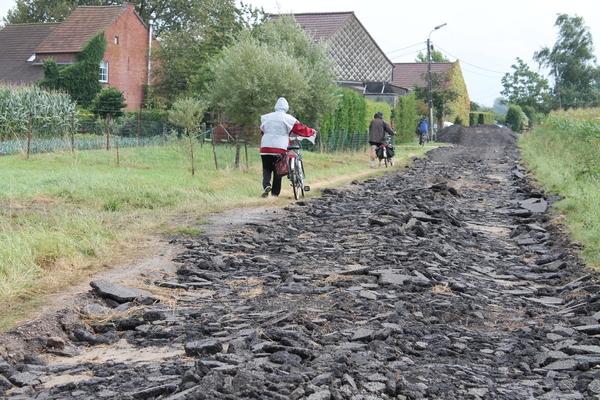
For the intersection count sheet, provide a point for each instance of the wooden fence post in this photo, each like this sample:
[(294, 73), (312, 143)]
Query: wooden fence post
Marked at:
[(320, 139), (164, 131), (107, 131), (212, 140), (139, 123), (29, 129), (342, 140), (72, 132)]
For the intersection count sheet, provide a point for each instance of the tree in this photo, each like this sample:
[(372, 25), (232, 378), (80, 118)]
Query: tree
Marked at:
[(527, 88), (571, 63), (312, 59), (436, 56), (110, 101), (277, 59), (249, 77), (188, 114), (406, 119), (514, 118), (500, 106), (441, 94), (189, 41), (30, 11), (167, 16)]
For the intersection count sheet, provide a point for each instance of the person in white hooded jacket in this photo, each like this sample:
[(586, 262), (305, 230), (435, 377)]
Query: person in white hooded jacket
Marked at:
[(276, 129)]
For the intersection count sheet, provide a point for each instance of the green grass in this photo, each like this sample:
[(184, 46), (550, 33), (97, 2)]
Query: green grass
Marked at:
[(565, 162), (66, 216)]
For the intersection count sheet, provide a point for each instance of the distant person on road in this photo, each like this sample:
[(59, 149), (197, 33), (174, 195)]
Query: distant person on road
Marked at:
[(422, 128), (377, 130), (276, 129)]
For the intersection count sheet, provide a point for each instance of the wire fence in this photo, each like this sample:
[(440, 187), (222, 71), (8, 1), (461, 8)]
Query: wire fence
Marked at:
[(135, 133)]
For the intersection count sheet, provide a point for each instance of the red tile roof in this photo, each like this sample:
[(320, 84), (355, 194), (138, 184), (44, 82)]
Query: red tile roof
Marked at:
[(406, 75), (17, 43), (83, 24)]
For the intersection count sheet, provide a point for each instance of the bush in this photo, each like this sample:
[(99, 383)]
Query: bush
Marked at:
[(406, 119), (481, 118), (110, 100), (350, 114), (514, 118)]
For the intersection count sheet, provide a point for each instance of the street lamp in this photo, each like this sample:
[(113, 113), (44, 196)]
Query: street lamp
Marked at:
[(430, 101)]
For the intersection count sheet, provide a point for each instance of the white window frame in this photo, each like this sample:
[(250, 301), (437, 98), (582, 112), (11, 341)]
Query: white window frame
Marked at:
[(103, 71)]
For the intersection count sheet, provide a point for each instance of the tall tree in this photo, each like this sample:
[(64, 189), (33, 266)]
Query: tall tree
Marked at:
[(186, 47), (29, 11), (527, 88), (571, 63), (248, 79), (441, 94), (311, 58)]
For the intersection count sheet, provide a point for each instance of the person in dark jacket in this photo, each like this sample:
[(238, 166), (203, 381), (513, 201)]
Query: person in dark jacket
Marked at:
[(377, 130)]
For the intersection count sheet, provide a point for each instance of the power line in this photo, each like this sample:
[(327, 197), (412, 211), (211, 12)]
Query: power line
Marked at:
[(404, 48), (472, 65), (476, 73), (406, 54)]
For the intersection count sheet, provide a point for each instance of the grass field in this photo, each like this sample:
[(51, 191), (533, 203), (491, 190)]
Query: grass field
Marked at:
[(66, 216), (563, 158)]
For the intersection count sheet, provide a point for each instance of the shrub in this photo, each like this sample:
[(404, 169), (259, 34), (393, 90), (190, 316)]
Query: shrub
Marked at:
[(514, 118)]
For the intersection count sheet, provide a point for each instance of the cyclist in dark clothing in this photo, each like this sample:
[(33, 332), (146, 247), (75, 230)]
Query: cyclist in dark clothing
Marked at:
[(377, 130), (422, 129)]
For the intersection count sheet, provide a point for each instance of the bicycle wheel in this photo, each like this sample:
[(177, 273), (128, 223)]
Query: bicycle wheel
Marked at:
[(295, 177), (421, 140), (291, 169), (301, 177)]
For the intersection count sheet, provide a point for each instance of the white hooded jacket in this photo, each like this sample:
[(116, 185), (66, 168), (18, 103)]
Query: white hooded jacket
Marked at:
[(278, 126)]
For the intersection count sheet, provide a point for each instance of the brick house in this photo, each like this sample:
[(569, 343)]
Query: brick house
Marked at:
[(360, 63), (408, 75), (25, 47)]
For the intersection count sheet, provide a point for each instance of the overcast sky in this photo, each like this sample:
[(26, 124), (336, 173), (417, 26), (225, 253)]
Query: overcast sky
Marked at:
[(486, 37)]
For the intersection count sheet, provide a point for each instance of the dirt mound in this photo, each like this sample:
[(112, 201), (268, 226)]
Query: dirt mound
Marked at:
[(477, 136)]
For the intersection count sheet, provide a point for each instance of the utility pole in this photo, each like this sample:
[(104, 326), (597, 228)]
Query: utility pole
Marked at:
[(430, 95)]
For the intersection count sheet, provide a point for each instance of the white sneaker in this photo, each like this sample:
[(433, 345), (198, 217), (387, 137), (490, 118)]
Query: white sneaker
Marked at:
[(266, 192)]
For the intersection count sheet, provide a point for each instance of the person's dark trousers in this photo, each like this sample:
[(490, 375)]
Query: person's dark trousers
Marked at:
[(268, 164)]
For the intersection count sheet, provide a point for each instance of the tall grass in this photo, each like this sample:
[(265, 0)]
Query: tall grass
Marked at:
[(563, 156), (64, 216)]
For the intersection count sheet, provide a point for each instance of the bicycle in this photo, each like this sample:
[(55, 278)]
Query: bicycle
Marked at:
[(385, 152), (423, 137), (296, 169)]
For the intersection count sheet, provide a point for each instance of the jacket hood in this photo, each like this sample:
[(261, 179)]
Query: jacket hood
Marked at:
[(282, 105)]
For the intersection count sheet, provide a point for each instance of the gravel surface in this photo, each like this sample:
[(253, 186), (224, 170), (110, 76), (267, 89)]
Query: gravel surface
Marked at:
[(450, 279)]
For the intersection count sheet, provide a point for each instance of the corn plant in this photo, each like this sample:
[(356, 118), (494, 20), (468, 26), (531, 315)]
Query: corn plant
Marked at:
[(47, 114)]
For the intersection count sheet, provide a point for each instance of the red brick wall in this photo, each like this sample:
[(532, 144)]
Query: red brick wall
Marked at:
[(127, 60)]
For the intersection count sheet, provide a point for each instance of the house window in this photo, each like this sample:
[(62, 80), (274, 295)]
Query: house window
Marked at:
[(116, 40), (103, 71)]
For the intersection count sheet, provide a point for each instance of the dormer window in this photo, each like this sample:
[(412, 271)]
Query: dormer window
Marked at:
[(103, 71), (116, 40)]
